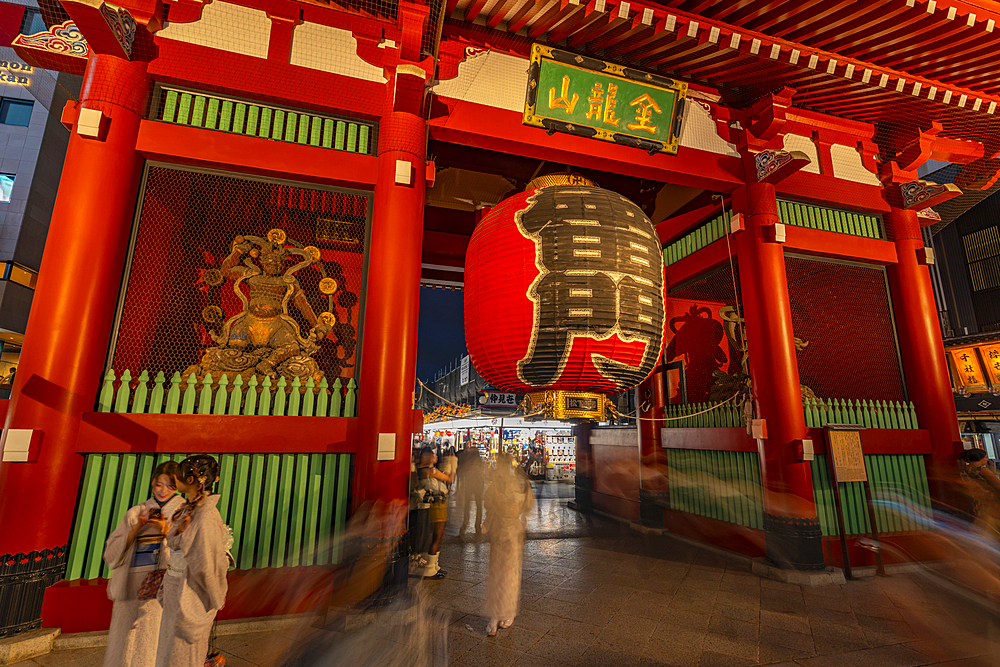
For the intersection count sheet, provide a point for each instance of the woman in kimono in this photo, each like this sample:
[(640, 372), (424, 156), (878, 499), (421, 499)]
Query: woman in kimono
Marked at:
[(135, 550), (194, 588), (508, 501)]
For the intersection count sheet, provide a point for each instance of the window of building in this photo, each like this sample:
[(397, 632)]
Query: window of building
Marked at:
[(32, 22), (6, 186), (15, 112)]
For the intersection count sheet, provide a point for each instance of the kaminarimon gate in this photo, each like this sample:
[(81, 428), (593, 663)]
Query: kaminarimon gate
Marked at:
[(255, 190)]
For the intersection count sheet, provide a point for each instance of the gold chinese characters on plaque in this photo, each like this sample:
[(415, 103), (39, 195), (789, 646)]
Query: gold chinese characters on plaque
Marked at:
[(967, 370), (847, 456)]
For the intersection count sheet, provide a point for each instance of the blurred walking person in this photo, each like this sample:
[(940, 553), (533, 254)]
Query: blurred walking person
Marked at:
[(983, 487), (435, 486), (471, 478), (508, 501)]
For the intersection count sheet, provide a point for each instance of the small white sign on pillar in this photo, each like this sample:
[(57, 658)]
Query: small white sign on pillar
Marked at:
[(386, 447), (16, 444)]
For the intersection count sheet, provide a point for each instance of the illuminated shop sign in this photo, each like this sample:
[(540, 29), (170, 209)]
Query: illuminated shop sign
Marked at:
[(15, 72), (600, 100)]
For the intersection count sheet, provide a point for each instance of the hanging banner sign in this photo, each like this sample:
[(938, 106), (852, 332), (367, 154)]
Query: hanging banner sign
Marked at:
[(991, 357), (600, 100), (967, 371), (463, 374)]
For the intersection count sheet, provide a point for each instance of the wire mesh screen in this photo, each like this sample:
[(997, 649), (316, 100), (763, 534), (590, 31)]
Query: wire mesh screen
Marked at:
[(704, 351), (841, 315), (243, 277)]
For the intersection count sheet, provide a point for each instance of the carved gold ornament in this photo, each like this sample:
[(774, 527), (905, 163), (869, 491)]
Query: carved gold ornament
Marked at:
[(212, 314), (277, 236), (327, 285), (326, 318), (213, 277), (313, 252)]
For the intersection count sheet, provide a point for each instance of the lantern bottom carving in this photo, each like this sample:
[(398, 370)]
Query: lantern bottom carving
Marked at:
[(559, 404)]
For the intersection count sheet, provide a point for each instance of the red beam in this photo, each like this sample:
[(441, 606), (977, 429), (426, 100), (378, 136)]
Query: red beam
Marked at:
[(525, 14), (107, 432), (839, 246), (564, 10), (500, 130), (611, 20), (712, 439), (473, 10), (882, 441), (222, 150), (499, 11), (673, 228), (577, 21), (450, 8)]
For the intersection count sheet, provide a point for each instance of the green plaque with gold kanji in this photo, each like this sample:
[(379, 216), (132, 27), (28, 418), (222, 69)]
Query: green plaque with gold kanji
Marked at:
[(600, 100)]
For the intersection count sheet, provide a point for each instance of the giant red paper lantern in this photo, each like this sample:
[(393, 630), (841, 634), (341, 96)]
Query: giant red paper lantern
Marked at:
[(564, 291)]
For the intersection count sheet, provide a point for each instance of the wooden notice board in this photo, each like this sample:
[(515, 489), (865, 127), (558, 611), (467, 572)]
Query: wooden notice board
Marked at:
[(847, 457)]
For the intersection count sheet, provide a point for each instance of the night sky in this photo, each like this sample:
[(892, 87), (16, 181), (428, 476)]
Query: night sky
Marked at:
[(441, 337)]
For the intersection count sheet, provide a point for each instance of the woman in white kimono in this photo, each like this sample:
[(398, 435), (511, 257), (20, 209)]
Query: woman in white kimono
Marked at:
[(194, 588), (135, 549), (507, 501)]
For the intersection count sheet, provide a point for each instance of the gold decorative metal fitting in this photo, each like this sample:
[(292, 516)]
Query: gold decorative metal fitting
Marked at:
[(559, 404), (560, 179), (213, 277), (277, 236), (212, 314), (313, 252), (328, 285), (327, 318)]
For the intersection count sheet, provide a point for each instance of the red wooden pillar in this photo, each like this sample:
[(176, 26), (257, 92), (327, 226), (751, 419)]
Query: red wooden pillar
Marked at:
[(921, 348), (791, 528), (389, 339), (62, 361)]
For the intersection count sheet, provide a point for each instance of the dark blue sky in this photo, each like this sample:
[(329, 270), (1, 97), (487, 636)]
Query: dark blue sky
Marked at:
[(441, 337)]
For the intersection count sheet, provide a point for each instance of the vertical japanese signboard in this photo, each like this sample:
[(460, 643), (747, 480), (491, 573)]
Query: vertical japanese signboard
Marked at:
[(966, 369), (592, 98), (847, 456), (991, 358)]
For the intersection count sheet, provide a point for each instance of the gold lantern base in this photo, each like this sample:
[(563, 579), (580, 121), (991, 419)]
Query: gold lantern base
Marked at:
[(560, 404)]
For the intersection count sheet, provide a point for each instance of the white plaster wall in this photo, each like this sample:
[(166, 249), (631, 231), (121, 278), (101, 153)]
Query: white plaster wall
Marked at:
[(848, 166), (331, 50), (698, 130), (796, 142), (227, 27), (494, 79)]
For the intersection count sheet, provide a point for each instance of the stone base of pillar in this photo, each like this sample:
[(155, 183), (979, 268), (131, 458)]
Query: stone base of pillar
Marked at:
[(23, 580), (584, 494), (651, 506), (794, 543)]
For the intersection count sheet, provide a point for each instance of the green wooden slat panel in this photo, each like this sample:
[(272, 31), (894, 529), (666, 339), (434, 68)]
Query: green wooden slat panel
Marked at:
[(102, 515), (198, 111), (312, 508), (240, 118), (326, 508), (352, 138), (266, 532), (122, 498), (170, 105), (328, 128), (184, 109), (253, 511), (315, 131), (341, 135), (79, 545), (343, 486), (279, 558), (253, 117), (278, 126), (227, 469), (212, 114), (291, 126), (266, 114), (363, 147), (303, 130), (301, 487), (226, 116), (238, 507)]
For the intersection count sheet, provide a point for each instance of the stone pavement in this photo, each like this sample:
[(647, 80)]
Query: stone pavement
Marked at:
[(608, 596)]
